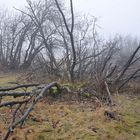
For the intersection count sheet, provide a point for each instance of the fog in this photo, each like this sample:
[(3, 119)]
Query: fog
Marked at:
[(114, 16)]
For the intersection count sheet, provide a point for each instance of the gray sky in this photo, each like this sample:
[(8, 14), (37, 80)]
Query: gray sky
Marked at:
[(115, 16)]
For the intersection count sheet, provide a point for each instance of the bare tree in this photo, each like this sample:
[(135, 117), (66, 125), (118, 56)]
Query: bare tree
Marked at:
[(70, 33)]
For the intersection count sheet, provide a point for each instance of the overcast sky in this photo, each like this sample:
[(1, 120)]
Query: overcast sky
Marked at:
[(115, 16)]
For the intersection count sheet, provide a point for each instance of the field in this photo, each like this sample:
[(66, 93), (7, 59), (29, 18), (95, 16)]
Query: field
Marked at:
[(76, 121)]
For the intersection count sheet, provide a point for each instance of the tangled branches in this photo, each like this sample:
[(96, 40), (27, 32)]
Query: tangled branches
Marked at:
[(25, 104)]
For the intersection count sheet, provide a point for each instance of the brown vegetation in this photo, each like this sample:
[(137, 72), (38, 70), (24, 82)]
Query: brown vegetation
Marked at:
[(46, 41)]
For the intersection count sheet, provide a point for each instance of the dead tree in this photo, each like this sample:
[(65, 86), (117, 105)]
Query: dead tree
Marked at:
[(26, 103)]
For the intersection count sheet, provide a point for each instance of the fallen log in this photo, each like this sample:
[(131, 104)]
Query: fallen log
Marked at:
[(14, 103), (35, 99), (15, 94), (19, 86)]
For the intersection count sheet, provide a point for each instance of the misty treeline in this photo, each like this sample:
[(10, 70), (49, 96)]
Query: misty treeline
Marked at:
[(50, 37)]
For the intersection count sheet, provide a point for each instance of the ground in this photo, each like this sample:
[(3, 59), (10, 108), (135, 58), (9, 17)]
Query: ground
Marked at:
[(77, 121)]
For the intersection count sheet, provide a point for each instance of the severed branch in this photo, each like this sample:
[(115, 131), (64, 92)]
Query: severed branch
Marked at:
[(14, 103), (109, 94), (15, 94), (15, 112), (19, 86), (36, 98)]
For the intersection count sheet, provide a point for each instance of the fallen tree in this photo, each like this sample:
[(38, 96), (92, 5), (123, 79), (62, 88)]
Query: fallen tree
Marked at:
[(25, 104)]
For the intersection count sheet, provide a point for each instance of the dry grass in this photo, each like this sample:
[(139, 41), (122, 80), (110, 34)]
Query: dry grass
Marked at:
[(73, 121)]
